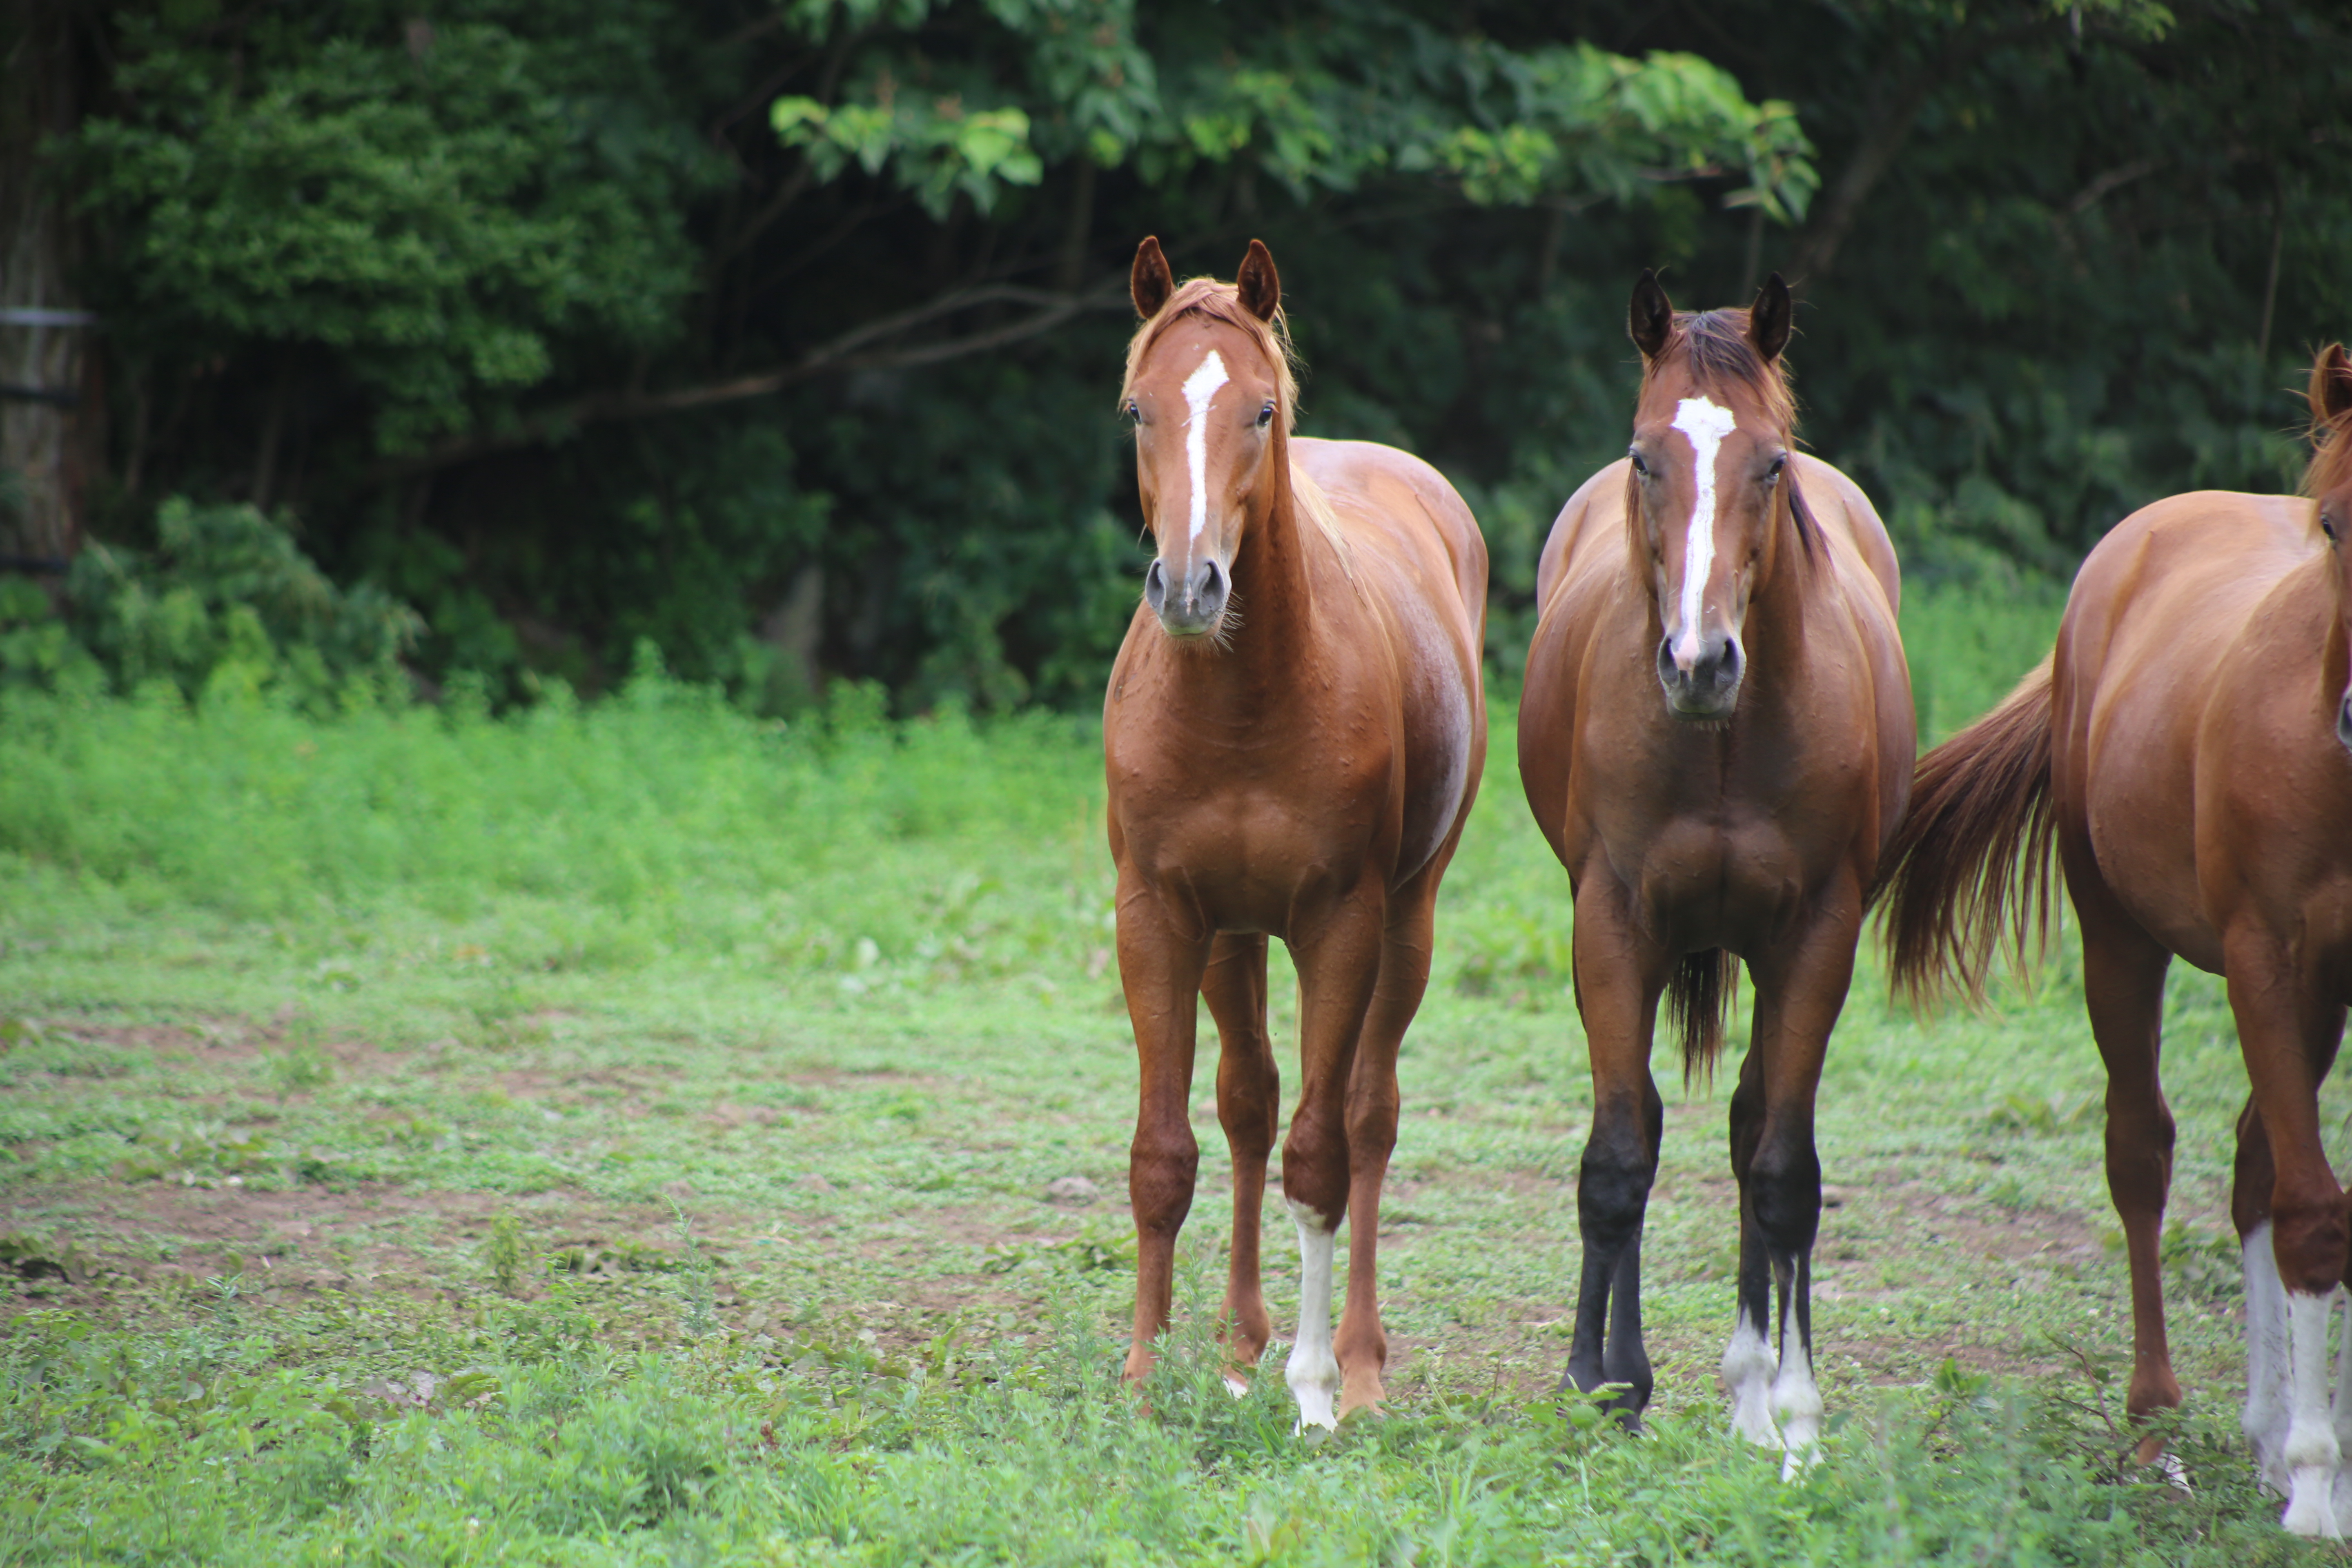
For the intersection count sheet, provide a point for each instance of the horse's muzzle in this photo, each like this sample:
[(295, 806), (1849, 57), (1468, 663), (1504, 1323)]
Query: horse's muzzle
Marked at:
[(1193, 608), (1708, 688)]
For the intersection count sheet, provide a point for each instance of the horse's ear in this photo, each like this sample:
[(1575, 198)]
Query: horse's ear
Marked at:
[(1650, 319), (1769, 318), (1260, 285), (2331, 386), (1148, 281)]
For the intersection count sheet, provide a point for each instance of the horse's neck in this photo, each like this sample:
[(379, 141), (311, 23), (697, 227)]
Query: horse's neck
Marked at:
[(1273, 646)]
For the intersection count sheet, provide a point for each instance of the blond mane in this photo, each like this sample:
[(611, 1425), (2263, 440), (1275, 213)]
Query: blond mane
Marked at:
[(2331, 439), (1222, 302)]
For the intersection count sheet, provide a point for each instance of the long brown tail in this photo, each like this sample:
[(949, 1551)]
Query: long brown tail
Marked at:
[(1970, 862), (1696, 999)]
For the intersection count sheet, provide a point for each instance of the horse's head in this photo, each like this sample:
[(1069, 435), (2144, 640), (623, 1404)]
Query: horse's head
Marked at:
[(1710, 454), (1209, 388), (2328, 482)]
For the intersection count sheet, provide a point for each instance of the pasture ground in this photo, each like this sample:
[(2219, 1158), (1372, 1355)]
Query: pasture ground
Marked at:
[(640, 1135)]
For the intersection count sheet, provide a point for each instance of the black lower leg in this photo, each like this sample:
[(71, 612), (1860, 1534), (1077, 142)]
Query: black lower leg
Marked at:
[(1626, 1361), (1612, 1192)]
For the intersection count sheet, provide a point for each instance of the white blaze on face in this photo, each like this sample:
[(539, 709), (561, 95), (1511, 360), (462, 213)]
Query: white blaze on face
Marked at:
[(1200, 388), (1707, 423)]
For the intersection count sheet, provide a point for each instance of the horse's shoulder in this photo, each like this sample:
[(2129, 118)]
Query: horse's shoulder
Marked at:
[(1380, 494), (1596, 510), (1848, 519)]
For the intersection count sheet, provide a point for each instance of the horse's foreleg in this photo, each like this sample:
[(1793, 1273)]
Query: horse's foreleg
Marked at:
[(1800, 988), (2288, 1036), (1748, 1360), (1619, 974), (1338, 963), (2123, 988), (1160, 966), (1248, 1092), (1363, 1342), (2263, 1420)]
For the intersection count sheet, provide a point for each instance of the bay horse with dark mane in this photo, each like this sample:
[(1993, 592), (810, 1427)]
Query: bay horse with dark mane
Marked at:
[(2185, 749), (1294, 734), (1717, 740)]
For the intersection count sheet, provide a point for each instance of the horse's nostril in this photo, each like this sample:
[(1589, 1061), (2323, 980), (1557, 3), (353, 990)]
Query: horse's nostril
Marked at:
[(1155, 586)]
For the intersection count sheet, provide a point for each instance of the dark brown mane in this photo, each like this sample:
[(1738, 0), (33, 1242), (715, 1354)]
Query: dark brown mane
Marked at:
[(1715, 344), (2331, 439)]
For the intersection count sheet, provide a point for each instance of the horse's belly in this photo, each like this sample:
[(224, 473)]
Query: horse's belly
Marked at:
[(1442, 721)]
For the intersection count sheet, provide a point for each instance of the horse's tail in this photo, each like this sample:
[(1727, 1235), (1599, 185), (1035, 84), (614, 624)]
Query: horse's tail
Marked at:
[(1696, 999), (1970, 860)]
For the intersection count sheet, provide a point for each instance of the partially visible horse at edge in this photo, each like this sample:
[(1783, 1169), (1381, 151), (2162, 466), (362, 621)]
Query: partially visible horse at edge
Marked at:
[(1716, 739), (2185, 751), (1292, 737)]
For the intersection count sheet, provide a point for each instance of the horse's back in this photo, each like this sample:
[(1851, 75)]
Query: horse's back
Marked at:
[(1400, 504), (2150, 656), (1414, 556)]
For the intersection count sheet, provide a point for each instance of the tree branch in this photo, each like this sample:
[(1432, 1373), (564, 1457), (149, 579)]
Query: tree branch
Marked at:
[(841, 353), (1881, 141)]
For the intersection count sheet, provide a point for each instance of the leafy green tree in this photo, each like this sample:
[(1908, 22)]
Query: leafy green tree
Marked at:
[(779, 331)]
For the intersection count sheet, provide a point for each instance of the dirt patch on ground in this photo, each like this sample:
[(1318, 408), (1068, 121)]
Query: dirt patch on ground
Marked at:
[(227, 1039), (132, 1248), (287, 1245)]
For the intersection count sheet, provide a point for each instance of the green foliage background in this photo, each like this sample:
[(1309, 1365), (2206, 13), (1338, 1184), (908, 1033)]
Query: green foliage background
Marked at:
[(473, 294)]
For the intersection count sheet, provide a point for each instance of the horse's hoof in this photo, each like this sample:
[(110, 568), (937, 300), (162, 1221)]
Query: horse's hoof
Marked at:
[(2167, 1465), (2310, 1507), (1313, 1387)]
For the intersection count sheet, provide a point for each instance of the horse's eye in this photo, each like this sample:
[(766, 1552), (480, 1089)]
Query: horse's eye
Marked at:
[(1265, 416), (2328, 528), (1132, 412), (1639, 467), (1772, 474)]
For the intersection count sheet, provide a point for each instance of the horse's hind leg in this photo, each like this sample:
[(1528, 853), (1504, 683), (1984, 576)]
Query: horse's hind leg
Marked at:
[(1800, 988), (1620, 975), (2123, 989), (1160, 967), (1248, 1105)]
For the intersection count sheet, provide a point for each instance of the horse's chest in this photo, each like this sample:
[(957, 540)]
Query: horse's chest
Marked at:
[(1730, 882), (1246, 857)]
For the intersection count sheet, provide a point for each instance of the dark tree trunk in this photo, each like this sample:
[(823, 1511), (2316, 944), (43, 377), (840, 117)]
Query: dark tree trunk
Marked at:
[(48, 406)]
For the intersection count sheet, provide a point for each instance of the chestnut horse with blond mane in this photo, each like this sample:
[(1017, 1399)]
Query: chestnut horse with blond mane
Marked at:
[(1716, 739), (2185, 749), (1293, 736)]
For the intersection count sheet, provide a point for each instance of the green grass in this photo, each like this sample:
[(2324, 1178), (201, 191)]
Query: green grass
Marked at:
[(623, 1134)]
